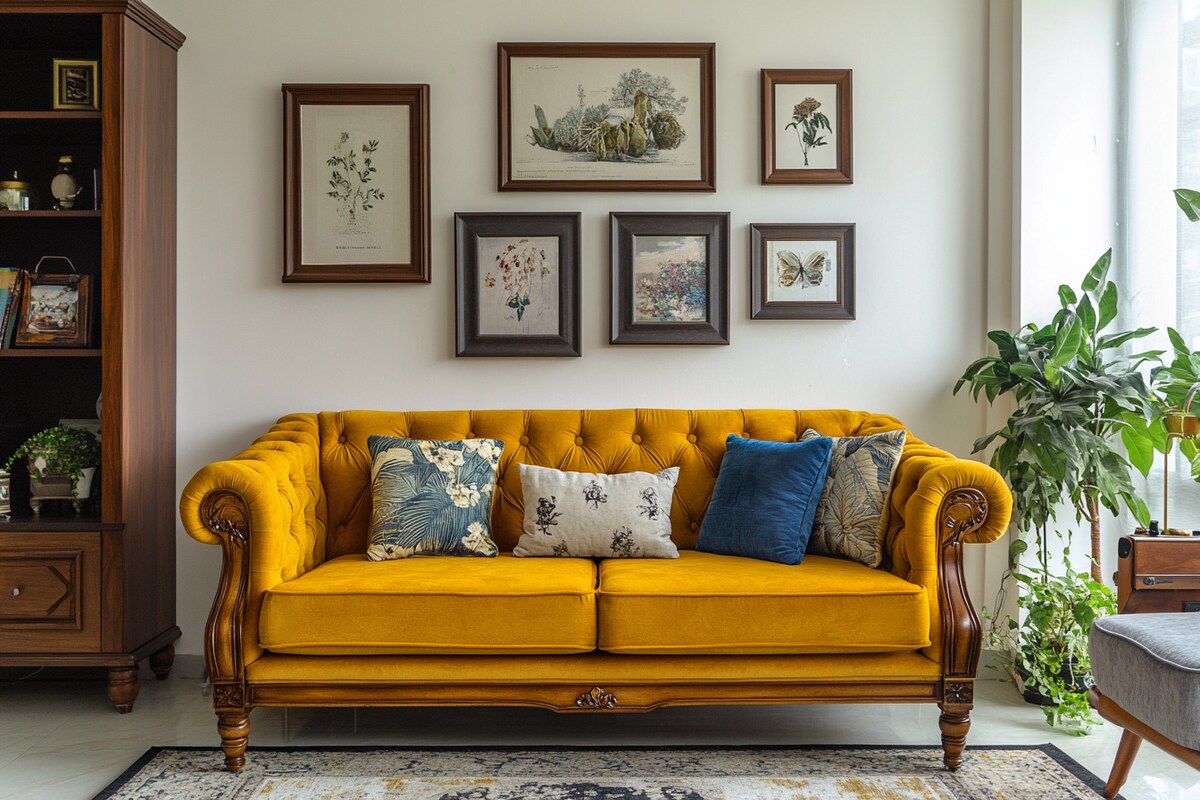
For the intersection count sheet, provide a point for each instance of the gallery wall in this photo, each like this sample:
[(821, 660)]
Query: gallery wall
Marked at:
[(252, 349)]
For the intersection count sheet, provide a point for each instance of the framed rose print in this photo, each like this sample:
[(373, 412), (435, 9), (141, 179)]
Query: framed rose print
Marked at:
[(807, 134), (356, 183), (670, 278), (802, 271), (607, 117), (517, 284)]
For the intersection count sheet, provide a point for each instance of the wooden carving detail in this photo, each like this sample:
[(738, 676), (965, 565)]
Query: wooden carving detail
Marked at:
[(228, 695), (597, 698), (959, 693), (963, 511), (227, 515)]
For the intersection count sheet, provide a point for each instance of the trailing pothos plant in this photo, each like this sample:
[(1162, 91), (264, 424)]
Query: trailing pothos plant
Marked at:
[(1076, 393)]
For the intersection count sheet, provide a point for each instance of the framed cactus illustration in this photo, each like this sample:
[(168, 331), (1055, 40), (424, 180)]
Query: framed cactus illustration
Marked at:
[(356, 183), (607, 117), (517, 284), (807, 134)]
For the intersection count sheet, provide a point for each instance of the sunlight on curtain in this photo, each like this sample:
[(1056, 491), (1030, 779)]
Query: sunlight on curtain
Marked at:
[(1162, 152)]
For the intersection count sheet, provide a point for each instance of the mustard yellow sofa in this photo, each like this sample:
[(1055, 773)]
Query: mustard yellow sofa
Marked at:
[(301, 618)]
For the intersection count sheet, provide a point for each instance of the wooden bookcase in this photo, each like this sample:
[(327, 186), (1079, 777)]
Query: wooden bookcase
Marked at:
[(94, 588)]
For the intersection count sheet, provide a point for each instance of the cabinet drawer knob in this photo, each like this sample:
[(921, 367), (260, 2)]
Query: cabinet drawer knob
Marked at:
[(14, 591)]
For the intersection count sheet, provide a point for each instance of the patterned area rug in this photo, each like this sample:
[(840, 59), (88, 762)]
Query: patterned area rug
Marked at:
[(713, 773)]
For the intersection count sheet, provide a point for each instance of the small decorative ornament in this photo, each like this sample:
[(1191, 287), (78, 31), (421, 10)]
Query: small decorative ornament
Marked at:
[(5, 495), (65, 187), (14, 194)]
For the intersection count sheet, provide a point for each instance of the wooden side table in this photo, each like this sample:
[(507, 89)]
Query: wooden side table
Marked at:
[(1158, 574)]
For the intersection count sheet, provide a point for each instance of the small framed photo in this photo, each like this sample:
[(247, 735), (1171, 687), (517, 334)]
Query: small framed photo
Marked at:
[(607, 116), (356, 183), (76, 85), (802, 271), (670, 278), (807, 129), (517, 284), (55, 311)]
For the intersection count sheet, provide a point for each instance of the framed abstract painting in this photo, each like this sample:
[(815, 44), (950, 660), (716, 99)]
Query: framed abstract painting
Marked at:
[(670, 278), (517, 284)]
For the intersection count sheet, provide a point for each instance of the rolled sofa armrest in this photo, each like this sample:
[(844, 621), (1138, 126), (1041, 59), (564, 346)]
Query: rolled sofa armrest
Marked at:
[(944, 503), (265, 508)]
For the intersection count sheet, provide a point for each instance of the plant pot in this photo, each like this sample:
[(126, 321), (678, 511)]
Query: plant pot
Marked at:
[(1074, 679), (58, 487)]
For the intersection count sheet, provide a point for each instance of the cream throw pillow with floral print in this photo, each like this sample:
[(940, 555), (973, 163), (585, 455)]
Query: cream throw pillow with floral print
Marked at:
[(590, 515), (431, 497)]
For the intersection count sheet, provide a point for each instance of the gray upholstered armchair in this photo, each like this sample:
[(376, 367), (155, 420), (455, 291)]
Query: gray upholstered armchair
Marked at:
[(1147, 672)]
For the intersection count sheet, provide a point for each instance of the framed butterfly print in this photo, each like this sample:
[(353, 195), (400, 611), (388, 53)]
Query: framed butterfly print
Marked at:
[(802, 271)]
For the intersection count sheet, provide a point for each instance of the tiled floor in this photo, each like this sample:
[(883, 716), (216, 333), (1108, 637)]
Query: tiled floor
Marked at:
[(63, 740)]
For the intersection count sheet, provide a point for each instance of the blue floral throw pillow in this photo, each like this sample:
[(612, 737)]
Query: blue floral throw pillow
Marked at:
[(431, 497)]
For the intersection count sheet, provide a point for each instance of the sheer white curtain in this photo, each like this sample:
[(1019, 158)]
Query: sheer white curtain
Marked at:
[(1161, 274)]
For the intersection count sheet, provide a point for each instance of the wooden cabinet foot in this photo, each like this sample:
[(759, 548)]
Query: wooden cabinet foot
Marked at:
[(955, 721), (123, 687), (161, 662), (234, 728)]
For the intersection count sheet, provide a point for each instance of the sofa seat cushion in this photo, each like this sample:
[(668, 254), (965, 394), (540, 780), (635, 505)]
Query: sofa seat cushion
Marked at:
[(502, 605), (718, 604)]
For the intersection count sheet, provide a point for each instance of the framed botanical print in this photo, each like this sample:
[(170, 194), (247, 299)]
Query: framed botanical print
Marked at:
[(607, 117), (801, 271), (670, 278), (356, 183), (517, 284), (76, 85), (807, 134)]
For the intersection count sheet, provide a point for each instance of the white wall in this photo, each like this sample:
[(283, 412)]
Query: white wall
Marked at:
[(252, 349)]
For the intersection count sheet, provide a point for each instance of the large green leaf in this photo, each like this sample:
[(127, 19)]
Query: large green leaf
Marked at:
[(1189, 202), (1066, 295), (1114, 340), (1098, 273), (1178, 344), (1108, 306)]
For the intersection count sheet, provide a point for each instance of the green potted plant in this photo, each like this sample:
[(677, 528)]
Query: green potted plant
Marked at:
[(62, 462), (1076, 393)]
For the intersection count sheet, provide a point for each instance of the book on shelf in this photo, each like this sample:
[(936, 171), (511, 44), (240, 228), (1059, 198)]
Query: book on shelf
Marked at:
[(10, 304)]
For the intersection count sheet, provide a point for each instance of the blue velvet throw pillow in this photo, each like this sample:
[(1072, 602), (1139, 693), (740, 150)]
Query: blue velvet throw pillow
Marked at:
[(765, 499)]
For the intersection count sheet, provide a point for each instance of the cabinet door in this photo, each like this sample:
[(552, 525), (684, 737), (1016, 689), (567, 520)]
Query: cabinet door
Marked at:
[(49, 592)]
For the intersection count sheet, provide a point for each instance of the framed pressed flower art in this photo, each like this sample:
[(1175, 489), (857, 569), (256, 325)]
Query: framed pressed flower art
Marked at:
[(517, 284), (356, 183), (807, 134), (670, 278), (800, 271)]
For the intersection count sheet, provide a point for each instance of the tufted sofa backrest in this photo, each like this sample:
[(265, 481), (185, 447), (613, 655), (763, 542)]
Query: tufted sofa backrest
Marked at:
[(610, 441)]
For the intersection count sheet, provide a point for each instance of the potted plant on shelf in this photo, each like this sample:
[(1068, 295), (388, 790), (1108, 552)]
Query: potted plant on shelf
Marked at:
[(62, 463), (1076, 394)]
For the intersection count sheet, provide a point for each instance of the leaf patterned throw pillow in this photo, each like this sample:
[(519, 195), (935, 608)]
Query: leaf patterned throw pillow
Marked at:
[(588, 515), (851, 517), (431, 497)]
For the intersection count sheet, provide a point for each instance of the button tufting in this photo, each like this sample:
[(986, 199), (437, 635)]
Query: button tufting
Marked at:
[(524, 440), (470, 434), (637, 439), (692, 438), (695, 526), (578, 440), (342, 439)]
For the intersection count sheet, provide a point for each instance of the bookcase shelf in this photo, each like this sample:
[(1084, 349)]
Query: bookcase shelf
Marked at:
[(50, 352), (86, 213)]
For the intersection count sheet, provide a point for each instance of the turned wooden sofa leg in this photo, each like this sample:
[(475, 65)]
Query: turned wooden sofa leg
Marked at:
[(955, 721), (161, 662), (234, 728)]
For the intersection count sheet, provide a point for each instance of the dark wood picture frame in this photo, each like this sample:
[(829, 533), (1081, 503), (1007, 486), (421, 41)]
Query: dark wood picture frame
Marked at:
[(76, 84), (625, 228), (81, 333), (843, 135), (763, 271), (469, 230), (705, 57), (297, 267)]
